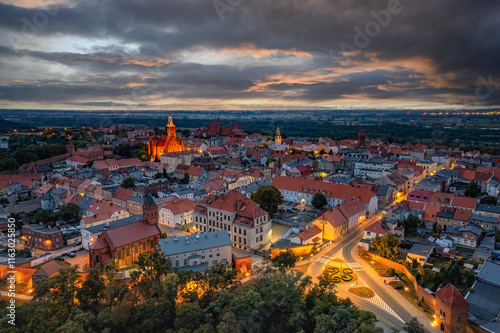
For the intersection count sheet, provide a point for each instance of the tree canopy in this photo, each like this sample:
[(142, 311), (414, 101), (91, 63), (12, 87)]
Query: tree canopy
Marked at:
[(268, 198), (387, 246), (277, 300), (472, 190), (319, 200), (128, 182), (286, 259), (489, 200)]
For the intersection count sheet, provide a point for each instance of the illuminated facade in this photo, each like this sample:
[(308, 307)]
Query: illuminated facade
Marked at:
[(159, 145)]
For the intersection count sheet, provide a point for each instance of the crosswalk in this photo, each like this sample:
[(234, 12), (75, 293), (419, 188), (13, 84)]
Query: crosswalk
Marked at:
[(338, 255), (355, 266), (381, 304), (324, 260)]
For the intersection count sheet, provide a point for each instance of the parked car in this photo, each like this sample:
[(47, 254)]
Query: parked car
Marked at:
[(71, 254), (303, 210)]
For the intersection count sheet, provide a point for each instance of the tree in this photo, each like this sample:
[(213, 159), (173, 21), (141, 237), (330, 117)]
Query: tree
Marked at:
[(387, 246), (93, 288), (128, 182), (158, 175), (151, 266), (319, 200), (270, 160), (44, 216), (68, 212), (472, 190), (489, 200), (413, 326), (286, 259), (411, 223), (268, 198), (186, 132), (164, 173)]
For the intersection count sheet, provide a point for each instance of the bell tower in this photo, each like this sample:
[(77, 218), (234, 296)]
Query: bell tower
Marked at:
[(170, 128), (277, 138), (150, 210)]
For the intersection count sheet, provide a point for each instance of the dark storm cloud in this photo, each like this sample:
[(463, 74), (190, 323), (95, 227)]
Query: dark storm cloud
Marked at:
[(425, 50)]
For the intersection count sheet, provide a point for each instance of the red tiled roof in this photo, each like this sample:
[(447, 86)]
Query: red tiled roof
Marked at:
[(351, 208), (123, 194), (462, 214), (464, 202), (78, 159), (331, 190), (179, 206), (430, 213), (378, 228), (334, 216), (309, 233), (234, 201), (441, 198), (48, 269), (101, 207), (450, 295), (127, 234), (215, 186)]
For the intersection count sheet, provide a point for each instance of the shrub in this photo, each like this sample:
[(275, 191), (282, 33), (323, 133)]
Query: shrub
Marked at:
[(397, 284)]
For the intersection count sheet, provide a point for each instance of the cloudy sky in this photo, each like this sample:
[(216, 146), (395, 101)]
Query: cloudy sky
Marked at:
[(249, 54)]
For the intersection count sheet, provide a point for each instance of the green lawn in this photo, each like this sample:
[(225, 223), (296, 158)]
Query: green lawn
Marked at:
[(465, 250), (362, 292), (381, 269), (409, 293)]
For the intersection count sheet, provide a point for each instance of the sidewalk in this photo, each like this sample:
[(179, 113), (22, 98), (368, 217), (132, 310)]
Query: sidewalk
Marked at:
[(20, 296), (402, 302)]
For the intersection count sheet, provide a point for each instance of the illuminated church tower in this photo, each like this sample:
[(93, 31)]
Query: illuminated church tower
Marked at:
[(159, 145), (170, 127), (277, 138)]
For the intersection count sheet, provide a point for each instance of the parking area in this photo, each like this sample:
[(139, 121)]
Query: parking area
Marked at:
[(171, 232), (278, 230), (81, 259), (297, 213)]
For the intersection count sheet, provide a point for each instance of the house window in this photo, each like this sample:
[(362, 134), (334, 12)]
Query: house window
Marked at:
[(177, 263), (128, 251), (144, 246)]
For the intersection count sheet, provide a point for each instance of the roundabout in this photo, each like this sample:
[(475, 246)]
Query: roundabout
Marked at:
[(339, 272)]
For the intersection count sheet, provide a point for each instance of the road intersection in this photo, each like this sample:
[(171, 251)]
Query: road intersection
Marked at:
[(388, 305)]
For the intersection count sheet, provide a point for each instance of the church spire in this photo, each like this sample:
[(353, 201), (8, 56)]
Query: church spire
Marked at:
[(277, 138), (170, 122)]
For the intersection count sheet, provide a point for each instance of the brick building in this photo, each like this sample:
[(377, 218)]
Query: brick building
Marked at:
[(42, 238), (451, 310), (125, 243)]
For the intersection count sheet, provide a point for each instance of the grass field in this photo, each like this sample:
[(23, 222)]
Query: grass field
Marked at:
[(362, 292), (410, 294)]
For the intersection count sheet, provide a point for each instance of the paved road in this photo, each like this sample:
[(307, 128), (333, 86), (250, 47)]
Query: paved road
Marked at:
[(388, 305)]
